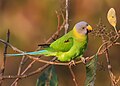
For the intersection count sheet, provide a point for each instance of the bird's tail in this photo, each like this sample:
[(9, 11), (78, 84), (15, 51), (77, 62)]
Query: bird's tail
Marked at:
[(41, 52)]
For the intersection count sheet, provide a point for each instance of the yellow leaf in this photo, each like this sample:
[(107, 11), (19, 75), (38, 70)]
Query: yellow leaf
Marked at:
[(111, 16)]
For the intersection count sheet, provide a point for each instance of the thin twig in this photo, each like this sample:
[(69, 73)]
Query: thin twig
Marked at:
[(58, 25), (73, 75), (26, 69), (11, 46), (61, 27), (20, 68), (117, 43), (110, 68), (108, 62), (39, 70), (4, 60), (66, 18)]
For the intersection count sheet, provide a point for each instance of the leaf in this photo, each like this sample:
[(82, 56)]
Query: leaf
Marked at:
[(48, 78), (91, 72), (111, 16)]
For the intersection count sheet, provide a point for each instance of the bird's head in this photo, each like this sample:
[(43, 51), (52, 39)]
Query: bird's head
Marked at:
[(83, 27)]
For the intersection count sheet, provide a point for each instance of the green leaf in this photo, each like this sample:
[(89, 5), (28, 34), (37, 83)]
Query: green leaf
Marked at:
[(48, 78), (91, 72)]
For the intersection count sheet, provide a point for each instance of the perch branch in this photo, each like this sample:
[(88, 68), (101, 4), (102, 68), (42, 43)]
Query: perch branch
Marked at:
[(55, 63), (99, 52)]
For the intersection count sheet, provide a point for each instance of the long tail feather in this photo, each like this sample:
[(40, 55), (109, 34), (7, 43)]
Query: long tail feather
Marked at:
[(29, 53)]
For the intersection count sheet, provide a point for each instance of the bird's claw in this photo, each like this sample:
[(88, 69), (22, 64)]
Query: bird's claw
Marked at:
[(72, 63), (83, 60)]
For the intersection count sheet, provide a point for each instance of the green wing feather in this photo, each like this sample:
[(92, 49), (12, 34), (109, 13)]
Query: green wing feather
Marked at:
[(64, 43)]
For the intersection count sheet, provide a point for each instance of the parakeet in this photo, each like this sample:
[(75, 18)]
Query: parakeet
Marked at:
[(68, 47)]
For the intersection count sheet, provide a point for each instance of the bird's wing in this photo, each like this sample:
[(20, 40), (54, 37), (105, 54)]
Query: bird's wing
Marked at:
[(63, 44)]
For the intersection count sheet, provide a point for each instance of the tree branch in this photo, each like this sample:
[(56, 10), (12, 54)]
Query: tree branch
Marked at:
[(73, 75), (4, 60), (20, 68), (40, 69), (66, 18)]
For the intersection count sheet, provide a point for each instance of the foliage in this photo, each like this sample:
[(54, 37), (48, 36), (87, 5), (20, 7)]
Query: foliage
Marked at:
[(48, 78), (91, 68)]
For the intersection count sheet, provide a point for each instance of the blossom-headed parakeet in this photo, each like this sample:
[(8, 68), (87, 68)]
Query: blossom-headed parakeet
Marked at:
[(67, 47)]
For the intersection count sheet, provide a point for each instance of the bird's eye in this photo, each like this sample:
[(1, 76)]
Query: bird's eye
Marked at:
[(83, 27), (86, 24)]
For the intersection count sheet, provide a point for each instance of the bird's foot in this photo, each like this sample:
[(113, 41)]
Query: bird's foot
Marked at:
[(72, 63), (83, 60)]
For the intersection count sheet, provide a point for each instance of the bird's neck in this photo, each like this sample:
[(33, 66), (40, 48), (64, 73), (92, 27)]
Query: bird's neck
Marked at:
[(79, 36)]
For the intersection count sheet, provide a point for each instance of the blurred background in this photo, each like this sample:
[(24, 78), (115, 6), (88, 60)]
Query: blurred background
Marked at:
[(32, 22)]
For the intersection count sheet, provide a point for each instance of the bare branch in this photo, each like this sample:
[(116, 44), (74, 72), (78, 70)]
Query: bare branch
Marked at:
[(20, 68), (73, 75), (11, 46), (66, 23), (29, 74), (4, 60)]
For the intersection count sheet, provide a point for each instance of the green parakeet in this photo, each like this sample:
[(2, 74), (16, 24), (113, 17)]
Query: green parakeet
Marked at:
[(67, 47)]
